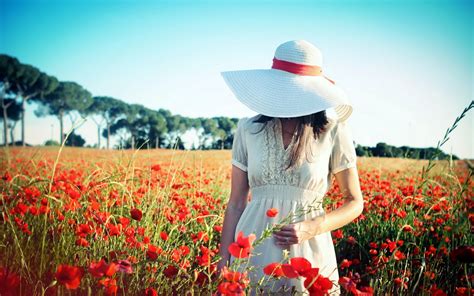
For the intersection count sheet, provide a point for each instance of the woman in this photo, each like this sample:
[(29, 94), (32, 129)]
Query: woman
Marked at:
[(285, 157)]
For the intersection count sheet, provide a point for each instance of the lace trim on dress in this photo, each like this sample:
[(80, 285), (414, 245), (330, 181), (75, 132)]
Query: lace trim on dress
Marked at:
[(275, 158)]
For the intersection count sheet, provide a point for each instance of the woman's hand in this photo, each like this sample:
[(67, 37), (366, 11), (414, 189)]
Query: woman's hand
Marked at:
[(297, 232)]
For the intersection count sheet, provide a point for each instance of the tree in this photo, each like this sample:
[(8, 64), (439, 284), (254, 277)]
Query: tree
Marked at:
[(176, 125), (226, 125), (153, 127), (10, 70), (75, 140), (127, 125), (10, 112), (66, 98), (382, 149), (44, 85), (361, 150), (143, 125), (5, 105), (210, 128), (179, 143), (109, 109), (22, 85), (26, 82)]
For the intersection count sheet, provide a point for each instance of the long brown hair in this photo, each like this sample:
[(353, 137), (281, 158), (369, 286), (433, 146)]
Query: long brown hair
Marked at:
[(308, 128)]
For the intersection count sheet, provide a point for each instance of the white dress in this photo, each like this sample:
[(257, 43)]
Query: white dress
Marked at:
[(262, 156)]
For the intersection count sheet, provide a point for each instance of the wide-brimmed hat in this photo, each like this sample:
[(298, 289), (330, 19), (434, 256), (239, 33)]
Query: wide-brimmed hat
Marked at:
[(294, 86)]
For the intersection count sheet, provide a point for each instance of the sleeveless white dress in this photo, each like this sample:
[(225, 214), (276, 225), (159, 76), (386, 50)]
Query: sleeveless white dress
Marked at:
[(302, 188)]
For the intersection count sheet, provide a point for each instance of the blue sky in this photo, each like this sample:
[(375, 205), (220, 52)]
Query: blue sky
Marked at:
[(406, 65)]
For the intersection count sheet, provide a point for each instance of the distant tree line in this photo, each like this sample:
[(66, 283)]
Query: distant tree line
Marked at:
[(133, 124), (384, 150)]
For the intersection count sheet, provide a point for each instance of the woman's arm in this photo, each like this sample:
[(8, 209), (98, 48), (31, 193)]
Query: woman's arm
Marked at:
[(348, 182), (236, 205)]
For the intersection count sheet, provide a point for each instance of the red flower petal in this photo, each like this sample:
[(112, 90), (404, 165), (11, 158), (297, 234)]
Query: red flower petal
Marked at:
[(300, 264), (325, 283), (242, 247), (70, 276), (313, 272), (289, 271), (273, 269)]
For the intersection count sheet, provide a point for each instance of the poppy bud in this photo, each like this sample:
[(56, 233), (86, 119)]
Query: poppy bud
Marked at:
[(136, 214)]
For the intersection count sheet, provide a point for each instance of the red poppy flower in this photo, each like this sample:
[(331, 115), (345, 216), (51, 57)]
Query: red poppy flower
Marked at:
[(110, 285), (289, 271), (171, 271), (272, 212), (7, 177), (82, 242), (318, 285), (345, 263), (234, 282), (100, 269), (153, 252), (82, 230), (163, 235), (399, 255), (231, 288), (273, 269), (242, 247), (151, 292), (9, 282), (70, 276), (114, 229), (136, 214), (233, 276), (124, 266), (298, 266), (301, 265)]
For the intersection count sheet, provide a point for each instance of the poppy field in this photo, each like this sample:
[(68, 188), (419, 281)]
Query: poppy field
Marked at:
[(78, 221)]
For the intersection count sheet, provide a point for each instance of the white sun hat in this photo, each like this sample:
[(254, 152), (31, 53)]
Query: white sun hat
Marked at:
[(294, 86)]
